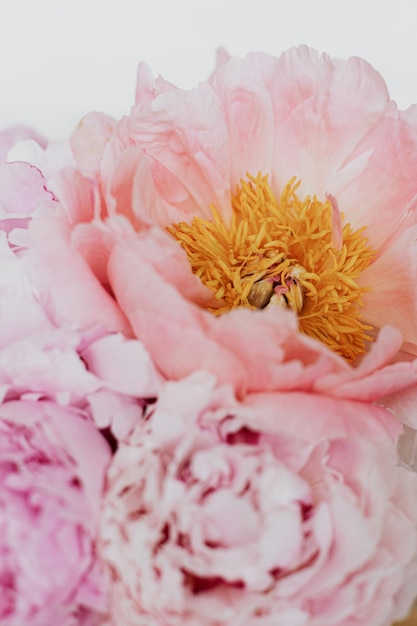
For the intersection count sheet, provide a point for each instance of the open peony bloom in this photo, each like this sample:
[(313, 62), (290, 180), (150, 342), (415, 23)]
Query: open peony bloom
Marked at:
[(281, 183), (286, 509), (261, 229), (181, 337), (52, 463)]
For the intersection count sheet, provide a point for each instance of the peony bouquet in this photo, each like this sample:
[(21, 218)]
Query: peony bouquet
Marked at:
[(208, 363)]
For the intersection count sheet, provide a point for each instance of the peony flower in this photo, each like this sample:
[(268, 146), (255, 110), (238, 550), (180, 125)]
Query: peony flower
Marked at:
[(252, 356), (284, 509), (52, 469), (281, 183), (269, 355)]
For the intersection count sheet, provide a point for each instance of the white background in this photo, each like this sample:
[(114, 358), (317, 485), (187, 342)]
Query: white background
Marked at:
[(59, 59)]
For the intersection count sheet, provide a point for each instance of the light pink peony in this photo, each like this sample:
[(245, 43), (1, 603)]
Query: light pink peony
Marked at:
[(329, 124), (52, 463), (253, 350), (286, 509)]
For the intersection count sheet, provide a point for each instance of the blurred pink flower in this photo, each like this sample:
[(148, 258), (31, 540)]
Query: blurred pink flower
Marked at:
[(285, 509), (52, 463)]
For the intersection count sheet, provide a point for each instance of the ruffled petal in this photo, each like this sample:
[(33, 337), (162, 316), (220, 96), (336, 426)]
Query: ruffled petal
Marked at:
[(391, 297), (322, 108), (249, 117), (73, 293), (190, 160), (89, 140)]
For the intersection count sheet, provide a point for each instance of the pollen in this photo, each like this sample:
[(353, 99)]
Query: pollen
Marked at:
[(283, 251)]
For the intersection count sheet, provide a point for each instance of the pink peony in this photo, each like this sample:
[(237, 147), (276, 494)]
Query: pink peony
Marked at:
[(343, 238), (265, 356), (283, 509), (52, 463), (181, 336)]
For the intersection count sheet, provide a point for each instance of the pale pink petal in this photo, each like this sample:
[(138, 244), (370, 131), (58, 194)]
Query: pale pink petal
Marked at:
[(373, 377), (124, 365), (95, 243), (403, 403), (145, 85), (392, 296), (249, 118), (22, 188), (176, 337), (384, 195), (193, 172), (75, 294), (323, 108), (115, 411), (373, 420), (132, 191), (76, 194), (49, 160), (89, 140), (222, 57), (13, 135)]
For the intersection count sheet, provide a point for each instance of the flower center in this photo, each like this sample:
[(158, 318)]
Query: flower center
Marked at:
[(284, 252)]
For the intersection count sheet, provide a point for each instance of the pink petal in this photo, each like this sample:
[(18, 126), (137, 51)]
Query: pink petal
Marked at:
[(385, 193), (89, 140), (145, 85), (22, 188), (190, 159), (75, 294), (249, 117), (392, 296), (124, 365), (323, 109), (13, 135), (171, 329)]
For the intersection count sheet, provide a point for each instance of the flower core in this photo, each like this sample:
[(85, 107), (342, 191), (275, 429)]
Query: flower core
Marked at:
[(284, 252)]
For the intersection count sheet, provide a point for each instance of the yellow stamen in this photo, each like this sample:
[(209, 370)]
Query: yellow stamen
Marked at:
[(282, 252)]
